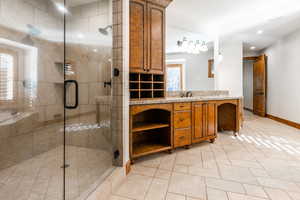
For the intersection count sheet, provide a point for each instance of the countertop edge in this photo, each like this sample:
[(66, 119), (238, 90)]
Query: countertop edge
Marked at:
[(180, 100)]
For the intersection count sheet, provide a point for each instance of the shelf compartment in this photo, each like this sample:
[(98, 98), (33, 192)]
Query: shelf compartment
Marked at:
[(146, 77), (146, 94), (146, 85), (134, 77), (142, 126), (146, 148)]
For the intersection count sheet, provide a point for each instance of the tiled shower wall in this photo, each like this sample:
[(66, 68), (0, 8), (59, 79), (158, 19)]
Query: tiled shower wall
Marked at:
[(120, 107)]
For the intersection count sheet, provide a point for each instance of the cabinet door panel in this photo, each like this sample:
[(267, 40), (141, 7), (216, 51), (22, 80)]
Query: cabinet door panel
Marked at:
[(138, 40), (211, 119), (156, 38), (198, 121)]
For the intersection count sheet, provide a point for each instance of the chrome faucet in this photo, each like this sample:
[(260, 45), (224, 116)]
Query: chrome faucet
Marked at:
[(186, 94), (189, 94)]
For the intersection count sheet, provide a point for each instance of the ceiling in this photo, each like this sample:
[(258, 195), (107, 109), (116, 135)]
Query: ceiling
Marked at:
[(240, 19)]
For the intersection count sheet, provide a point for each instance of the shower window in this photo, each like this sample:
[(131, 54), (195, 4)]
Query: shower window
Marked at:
[(7, 72)]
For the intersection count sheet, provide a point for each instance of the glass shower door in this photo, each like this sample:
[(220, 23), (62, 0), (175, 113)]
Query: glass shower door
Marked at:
[(88, 52), (31, 100)]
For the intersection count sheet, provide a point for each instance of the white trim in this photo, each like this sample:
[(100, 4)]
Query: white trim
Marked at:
[(183, 63)]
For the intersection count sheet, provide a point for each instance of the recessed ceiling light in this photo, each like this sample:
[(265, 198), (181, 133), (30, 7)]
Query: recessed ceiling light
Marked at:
[(61, 8), (253, 48), (259, 32)]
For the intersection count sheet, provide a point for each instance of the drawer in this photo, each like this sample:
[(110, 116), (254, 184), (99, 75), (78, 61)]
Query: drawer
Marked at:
[(182, 137), (182, 119), (182, 106)]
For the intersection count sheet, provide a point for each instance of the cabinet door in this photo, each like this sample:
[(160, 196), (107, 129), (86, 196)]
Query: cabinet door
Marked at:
[(156, 39), (138, 37), (199, 113), (211, 120)]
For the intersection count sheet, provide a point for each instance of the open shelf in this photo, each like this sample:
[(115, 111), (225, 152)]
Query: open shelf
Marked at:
[(146, 86), (151, 132), (141, 149), (143, 126)]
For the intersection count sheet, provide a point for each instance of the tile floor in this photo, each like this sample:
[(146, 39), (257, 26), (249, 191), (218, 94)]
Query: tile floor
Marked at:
[(263, 162), (41, 177)]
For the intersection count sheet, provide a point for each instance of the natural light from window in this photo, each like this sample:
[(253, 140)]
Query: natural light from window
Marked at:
[(6, 77)]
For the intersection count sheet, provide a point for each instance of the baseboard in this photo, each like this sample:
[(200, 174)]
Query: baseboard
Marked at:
[(248, 109), (128, 167), (284, 121)]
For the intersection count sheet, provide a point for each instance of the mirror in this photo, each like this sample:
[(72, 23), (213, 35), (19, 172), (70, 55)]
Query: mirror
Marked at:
[(189, 60)]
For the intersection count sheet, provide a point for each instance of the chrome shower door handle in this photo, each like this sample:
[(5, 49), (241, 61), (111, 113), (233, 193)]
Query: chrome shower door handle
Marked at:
[(66, 83)]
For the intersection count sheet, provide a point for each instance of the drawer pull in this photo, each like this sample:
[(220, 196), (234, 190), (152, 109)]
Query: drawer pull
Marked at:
[(181, 119), (181, 137)]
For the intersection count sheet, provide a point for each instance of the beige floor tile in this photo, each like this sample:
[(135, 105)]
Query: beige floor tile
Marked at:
[(279, 184), (141, 170), (239, 174), (185, 184), (207, 172), (167, 162), (244, 163), (229, 186), (254, 190), (294, 195), (189, 159), (158, 190), (259, 172), (192, 198), (180, 168), (235, 196), (118, 198), (276, 194), (163, 174), (135, 187), (172, 196), (214, 194)]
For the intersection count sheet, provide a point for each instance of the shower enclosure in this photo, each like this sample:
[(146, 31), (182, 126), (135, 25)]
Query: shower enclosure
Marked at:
[(55, 98)]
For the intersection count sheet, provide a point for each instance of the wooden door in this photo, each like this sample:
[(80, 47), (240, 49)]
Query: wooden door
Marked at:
[(156, 39), (211, 121), (138, 37), (199, 113), (259, 86)]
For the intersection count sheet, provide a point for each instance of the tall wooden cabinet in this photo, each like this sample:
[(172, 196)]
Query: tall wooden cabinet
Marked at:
[(204, 121), (147, 48), (147, 36)]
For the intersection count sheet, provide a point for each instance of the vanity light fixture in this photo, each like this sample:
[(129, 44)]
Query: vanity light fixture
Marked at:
[(253, 48), (192, 47)]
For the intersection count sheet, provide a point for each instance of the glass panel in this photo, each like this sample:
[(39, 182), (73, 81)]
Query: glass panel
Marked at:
[(88, 62), (31, 100)]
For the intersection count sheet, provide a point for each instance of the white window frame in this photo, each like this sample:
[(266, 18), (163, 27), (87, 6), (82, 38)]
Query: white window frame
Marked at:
[(14, 76)]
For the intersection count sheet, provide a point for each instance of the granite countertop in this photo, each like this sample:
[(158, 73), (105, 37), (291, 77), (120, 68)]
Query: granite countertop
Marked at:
[(182, 99)]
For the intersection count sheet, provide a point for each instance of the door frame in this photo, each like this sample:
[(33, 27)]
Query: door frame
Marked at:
[(255, 58)]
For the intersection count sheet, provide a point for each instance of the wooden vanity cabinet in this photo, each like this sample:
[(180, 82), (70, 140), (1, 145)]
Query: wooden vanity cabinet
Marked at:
[(182, 124), (147, 36), (204, 121)]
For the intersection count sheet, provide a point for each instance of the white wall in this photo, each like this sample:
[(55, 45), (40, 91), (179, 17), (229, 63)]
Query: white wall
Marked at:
[(196, 70), (284, 78), (248, 84), (229, 73)]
